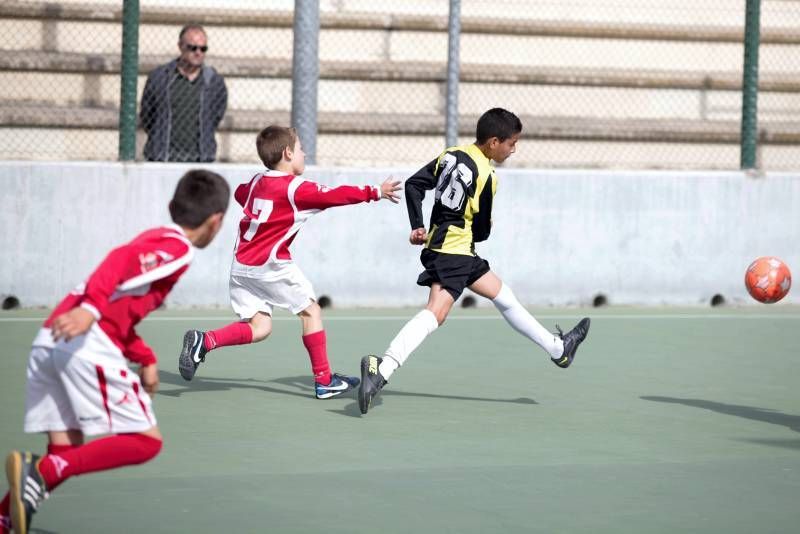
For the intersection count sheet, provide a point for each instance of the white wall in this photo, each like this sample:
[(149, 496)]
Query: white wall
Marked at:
[(560, 237)]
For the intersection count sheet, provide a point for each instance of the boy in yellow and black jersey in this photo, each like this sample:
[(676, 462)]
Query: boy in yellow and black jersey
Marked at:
[(465, 183), (462, 212)]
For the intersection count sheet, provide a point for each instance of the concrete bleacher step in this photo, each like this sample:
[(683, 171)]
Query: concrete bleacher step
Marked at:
[(409, 71), (92, 80), (342, 20), (575, 128)]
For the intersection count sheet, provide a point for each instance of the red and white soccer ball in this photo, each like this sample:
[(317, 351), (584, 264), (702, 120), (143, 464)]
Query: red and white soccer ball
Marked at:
[(768, 279)]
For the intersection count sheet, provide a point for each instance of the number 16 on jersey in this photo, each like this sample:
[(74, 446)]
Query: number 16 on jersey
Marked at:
[(454, 181)]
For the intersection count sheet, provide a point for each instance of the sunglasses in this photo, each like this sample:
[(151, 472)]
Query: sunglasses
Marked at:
[(195, 48)]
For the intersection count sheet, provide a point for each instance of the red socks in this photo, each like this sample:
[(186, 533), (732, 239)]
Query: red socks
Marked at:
[(5, 519), (317, 346), (58, 449), (99, 455), (240, 334), (233, 334)]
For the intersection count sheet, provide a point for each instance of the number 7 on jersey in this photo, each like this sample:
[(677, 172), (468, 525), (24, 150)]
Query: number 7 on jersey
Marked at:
[(261, 209)]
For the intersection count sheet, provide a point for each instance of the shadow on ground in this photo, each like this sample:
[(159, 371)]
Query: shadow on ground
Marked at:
[(352, 410), (765, 415), (297, 386), (303, 385)]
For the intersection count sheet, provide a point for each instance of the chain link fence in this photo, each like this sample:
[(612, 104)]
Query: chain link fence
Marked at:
[(598, 83), (637, 84)]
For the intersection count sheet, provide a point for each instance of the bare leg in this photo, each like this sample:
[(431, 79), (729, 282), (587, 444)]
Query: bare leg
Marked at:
[(68, 437), (311, 318), (261, 325)]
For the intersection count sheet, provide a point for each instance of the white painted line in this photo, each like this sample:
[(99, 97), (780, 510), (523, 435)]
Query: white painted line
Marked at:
[(367, 318)]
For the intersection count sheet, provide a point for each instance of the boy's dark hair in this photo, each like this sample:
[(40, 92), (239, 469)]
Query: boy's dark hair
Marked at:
[(499, 123), (271, 141), (198, 195)]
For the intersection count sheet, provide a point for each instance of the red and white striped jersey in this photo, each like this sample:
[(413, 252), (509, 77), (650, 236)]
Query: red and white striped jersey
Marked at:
[(276, 206), (133, 280)]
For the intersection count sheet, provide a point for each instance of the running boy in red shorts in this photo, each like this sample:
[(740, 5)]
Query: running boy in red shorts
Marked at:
[(276, 204)]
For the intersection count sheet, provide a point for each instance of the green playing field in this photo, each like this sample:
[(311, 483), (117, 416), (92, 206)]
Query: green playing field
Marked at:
[(669, 421)]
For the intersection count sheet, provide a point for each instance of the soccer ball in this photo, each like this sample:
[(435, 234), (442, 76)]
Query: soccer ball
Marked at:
[(768, 279)]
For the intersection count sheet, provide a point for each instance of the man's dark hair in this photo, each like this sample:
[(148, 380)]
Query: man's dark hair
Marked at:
[(199, 195), (190, 27), (499, 123)]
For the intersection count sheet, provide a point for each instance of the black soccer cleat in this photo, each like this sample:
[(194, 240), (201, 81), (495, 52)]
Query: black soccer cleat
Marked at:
[(26, 489), (371, 381), (571, 339), (192, 355)]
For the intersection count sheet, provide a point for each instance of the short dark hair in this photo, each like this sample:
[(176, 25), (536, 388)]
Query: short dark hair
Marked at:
[(190, 27), (271, 141), (499, 123), (198, 195)]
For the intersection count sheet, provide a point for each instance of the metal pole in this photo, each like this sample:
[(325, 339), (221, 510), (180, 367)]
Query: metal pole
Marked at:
[(130, 70), (749, 137), (453, 64), (305, 74)]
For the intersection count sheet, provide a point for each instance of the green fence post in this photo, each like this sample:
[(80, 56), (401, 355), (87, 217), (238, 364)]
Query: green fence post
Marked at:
[(130, 71), (749, 138)]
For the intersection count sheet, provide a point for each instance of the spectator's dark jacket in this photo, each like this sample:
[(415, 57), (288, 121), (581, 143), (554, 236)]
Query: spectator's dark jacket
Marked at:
[(156, 112)]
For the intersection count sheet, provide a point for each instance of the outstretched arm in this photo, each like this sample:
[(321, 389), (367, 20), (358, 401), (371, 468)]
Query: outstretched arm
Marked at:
[(314, 196), (389, 189)]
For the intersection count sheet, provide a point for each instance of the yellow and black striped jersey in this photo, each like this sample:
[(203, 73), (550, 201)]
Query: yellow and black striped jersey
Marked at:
[(465, 184)]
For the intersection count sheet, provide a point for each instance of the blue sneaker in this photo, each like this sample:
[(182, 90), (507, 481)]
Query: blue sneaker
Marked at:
[(339, 384)]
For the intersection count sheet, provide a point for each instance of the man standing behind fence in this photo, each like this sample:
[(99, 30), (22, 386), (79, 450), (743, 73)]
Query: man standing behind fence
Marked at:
[(183, 103)]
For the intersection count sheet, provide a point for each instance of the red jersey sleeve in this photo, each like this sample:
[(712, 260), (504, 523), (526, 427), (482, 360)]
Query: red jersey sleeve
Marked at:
[(243, 191), (136, 350), (311, 195), (133, 266), (104, 281)]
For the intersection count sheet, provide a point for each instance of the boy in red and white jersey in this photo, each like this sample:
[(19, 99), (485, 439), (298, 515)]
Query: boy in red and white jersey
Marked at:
[(276, 204), (79, 383)]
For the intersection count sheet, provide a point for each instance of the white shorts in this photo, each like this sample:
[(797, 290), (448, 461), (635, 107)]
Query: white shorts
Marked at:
[(84, 384), (289, 290)]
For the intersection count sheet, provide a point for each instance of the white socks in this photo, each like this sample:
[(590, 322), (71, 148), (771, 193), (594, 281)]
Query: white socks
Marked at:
[(422, 324), (408, 339), (524, 323)]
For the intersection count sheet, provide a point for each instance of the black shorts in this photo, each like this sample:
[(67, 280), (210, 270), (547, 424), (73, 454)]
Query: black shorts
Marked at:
[(453, 271)]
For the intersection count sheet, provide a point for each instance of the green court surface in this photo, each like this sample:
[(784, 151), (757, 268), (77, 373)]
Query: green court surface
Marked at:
[(669, 421)]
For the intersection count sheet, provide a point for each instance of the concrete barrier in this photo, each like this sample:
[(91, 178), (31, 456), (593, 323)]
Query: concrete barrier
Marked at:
[(559, 237)]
